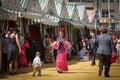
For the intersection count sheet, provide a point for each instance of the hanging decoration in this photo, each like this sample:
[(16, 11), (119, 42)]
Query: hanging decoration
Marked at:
[(43, 4), (58, 6), (64, 13), (23, 3), (81, 11), (70, 8), (58, 9), (75, 15), (91, 15)]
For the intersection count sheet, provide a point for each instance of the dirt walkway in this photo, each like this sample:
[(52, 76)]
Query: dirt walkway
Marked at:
[(77, 71)]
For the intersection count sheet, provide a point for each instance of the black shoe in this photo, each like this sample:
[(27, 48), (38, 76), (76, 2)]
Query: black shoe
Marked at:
[(15, 73), (11, 73), (107, 75), (33, 75), (100, 72), (93, 64), (59, 71)]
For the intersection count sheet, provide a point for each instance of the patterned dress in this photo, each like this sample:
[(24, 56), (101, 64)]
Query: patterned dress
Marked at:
[(22, 60), (13, 49), (61, 61), (49, 56)]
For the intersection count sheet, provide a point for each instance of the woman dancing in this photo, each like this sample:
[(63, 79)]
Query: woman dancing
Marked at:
[(61, 44)]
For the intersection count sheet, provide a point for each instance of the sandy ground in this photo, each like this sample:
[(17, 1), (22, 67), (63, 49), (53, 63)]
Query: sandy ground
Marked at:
[(78, 70)]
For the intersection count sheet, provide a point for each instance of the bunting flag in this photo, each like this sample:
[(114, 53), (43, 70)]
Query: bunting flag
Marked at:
[(91, 15), (70, 8), (51, 8), (43, 4), (81, 11), (23, 3), (75, 14), (64, 13), (58, 5)]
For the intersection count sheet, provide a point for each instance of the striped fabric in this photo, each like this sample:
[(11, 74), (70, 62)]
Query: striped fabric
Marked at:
[(23, 3), (58, 6), (70, 8), (64, 13), (91, 15), (43, 4), (81, 11)]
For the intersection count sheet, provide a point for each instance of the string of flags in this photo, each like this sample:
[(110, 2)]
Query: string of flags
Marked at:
[(66, 10)]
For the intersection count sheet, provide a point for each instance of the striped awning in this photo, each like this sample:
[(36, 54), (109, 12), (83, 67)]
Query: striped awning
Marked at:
[(46, 20)]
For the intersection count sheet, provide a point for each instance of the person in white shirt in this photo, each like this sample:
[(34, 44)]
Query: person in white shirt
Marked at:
[(37, 64)]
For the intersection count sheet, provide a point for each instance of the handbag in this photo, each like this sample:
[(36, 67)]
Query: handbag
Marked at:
[(113, 58)]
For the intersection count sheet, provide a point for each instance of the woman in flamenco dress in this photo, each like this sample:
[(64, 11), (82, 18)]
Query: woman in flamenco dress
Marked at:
[(61, 44)]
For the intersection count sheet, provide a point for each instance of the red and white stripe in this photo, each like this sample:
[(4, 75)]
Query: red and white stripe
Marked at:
[(91, 15)]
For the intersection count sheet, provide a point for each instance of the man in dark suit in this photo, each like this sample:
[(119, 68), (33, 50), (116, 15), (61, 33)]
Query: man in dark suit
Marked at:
[(93, 47), (104, 51)]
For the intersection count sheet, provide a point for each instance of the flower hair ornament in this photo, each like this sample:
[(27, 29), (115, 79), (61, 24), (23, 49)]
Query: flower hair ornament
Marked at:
[(61, 29)]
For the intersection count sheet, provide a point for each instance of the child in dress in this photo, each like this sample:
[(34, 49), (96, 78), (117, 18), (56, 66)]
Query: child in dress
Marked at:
[(37, 64)]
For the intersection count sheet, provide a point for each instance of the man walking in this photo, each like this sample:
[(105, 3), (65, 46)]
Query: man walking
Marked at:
[(93, 48), (104, 51)]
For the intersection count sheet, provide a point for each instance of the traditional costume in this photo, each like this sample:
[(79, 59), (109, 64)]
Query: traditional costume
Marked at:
[(61, 44)]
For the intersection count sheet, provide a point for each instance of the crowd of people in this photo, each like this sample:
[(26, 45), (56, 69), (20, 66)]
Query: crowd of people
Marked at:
[(14, 51), (17, 51)]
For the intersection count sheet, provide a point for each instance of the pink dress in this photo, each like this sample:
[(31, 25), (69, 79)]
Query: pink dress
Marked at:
[(61, 60), (22, 61)]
